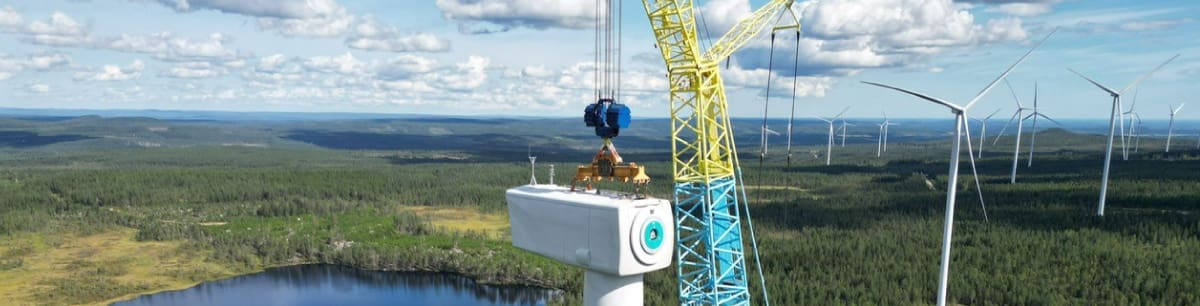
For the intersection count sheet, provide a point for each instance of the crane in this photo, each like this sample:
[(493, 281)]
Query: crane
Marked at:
[(710, 257)]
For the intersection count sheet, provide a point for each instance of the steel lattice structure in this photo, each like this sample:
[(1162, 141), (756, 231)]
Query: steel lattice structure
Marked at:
[(710, 256)]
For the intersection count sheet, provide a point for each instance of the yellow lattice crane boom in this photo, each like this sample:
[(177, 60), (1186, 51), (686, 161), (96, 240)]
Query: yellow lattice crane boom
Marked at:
[(710, 258)]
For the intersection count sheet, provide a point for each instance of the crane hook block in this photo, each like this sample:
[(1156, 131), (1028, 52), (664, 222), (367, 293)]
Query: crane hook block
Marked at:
[(607, 117)]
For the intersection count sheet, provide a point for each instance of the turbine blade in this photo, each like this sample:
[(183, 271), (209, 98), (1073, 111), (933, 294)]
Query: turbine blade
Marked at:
[(989, 116), (839, 115), (1109, 90), (975, 173), (919, 95), (1178, 108), (1035, 98), (1006, 72), (1014, 94), (1010, 121), (1148, 74), (1134, 104), (1048, 118)]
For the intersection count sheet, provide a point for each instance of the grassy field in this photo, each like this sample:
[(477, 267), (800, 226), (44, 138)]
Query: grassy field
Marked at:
[(97, 269)]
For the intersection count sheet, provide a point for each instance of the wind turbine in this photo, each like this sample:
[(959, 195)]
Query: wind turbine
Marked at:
[(829, 149), (1033, 132), (960, 124), (886, 123), (1019, 115), (1128, 135), (1116, 104), (983, 130), (1171, 126), (879, 145), (1137, 141), (844, 125), (532, 167), (766, 139)]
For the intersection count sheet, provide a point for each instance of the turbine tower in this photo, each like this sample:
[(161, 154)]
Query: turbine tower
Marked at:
[(879, 144), (829, 149), (960, 125), (1171, 126), (1116, 106), (844, 125), (1034, 116), (883, 135), (983, 130), (1137, 141), (767, 131), (1127, 137), (532, 167), (1019, 115)]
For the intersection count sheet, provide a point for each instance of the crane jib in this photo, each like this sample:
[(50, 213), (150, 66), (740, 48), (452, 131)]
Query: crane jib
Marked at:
[(711, 265)]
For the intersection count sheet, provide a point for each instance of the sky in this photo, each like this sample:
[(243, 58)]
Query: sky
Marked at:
[(535, 57)]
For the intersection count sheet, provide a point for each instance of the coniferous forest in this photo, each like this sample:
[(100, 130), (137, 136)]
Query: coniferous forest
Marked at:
[(864, 230)]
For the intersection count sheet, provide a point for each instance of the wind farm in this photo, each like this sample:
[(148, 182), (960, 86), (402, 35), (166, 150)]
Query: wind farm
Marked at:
[(435, 155)]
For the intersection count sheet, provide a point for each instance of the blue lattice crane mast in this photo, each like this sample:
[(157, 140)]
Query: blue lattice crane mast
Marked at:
[(709, 252)]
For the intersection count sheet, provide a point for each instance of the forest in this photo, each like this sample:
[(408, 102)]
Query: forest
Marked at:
[(864, 230)]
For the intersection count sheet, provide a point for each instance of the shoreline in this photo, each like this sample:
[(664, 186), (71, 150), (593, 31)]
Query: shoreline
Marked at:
[(128, 297)]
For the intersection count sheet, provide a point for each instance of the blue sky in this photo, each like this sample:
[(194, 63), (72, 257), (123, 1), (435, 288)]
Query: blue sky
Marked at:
[(533, 57)]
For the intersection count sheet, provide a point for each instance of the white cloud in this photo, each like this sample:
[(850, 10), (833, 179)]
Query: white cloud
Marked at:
[(1023, 9), (271, 63), (330, 25), (1153, 25), (509, 14), (404, 67), (10, 67), (373, 35), (343, 64), (47, 61), (113, 73), (275, 70), (165, 46), (843, 37), (10, 19), (196, 70), (313, 18), (300, 9), (468, 75), (59, 30), (722, 15), (37, 88), (538, 71)]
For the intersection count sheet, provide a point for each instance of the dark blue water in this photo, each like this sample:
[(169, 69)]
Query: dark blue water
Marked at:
[(335, 285)]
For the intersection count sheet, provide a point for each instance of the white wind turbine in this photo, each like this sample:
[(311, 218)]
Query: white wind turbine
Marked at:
[(829, 149), (844, 125), (887, 123), (1137, 133), (767, 131), (960, 124), (1128, 137), (983, 130), (1019, 115), (1034, 116), (883, 135), (879, 144), (1171, 126), (1116, 107)]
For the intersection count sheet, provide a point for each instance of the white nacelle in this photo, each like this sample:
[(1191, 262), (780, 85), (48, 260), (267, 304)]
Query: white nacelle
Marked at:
[(608, 233)]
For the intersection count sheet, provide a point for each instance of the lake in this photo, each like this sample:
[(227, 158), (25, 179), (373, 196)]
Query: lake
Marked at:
[(336, 285)]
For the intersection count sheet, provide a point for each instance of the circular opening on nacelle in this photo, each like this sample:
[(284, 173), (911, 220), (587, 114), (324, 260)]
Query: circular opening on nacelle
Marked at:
[(653, 236)]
